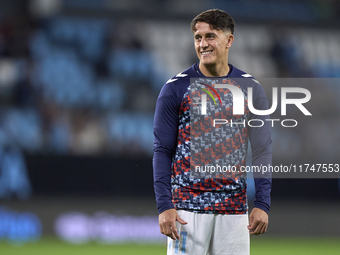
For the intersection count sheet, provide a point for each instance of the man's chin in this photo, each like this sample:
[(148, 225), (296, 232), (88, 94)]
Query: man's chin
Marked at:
[(207, 63)]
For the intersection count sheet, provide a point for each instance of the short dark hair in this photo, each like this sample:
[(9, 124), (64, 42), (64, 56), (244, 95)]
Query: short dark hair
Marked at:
[(216, 18)]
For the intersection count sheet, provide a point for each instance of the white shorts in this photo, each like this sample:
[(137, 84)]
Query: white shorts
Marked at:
[(211, 234)]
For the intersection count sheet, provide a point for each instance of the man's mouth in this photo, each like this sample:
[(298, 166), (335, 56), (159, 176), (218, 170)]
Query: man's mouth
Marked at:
[(206, 52)]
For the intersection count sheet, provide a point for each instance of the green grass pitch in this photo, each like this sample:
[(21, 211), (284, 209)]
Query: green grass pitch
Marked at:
[(259, 246)]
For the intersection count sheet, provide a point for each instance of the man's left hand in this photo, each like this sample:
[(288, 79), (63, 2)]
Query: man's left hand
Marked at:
[(258, 221)]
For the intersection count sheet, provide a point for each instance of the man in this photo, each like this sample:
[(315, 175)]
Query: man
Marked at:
[(208, 215)]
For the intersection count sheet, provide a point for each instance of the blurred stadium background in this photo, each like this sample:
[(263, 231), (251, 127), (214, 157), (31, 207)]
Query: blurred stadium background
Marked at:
[(78, 85)]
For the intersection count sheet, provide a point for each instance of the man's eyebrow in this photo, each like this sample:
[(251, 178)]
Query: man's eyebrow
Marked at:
[(207, 34), (210, 34)]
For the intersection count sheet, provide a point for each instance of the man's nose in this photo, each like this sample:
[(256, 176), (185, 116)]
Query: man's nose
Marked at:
[(203, 43)]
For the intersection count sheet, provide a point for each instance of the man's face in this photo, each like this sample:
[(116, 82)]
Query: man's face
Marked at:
[(211, 45)]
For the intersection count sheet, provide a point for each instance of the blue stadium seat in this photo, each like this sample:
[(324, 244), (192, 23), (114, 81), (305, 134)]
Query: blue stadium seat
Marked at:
[(24, 127), (130, 63), (132, 128), (110, 94)]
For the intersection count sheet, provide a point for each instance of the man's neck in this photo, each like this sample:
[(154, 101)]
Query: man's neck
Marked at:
[(214, 70)]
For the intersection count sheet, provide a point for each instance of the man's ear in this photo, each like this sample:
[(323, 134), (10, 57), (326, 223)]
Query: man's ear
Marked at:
[(230, 40)]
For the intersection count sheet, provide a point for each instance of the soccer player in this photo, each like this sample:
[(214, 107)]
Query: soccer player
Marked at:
[(209, 215)]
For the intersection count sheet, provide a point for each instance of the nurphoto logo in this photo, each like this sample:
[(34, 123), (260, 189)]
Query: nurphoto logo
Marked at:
[(239, 101)]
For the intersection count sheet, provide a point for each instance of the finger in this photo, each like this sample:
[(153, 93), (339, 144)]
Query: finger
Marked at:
[(180, 220), (250, 222), (265, 230), (173, 237), (254, 230), (166, 230), (174, 231), (252, 226), (258, 229)]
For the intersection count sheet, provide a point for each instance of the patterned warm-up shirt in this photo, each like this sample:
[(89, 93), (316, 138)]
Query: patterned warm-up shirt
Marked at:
[(181, 132)]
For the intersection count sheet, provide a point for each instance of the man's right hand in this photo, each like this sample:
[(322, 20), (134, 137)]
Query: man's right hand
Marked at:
[(167, 223)]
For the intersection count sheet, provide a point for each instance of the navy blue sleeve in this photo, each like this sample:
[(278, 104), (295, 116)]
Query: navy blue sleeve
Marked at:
[(260, 140), (165, 129)]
